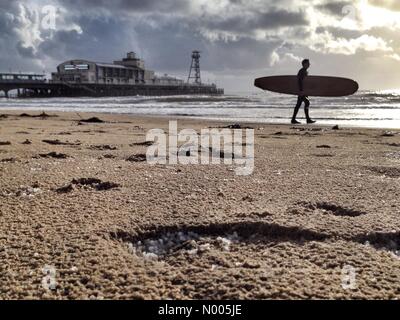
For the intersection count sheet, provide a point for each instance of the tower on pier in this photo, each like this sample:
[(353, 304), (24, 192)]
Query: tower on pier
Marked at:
[(194, 72)]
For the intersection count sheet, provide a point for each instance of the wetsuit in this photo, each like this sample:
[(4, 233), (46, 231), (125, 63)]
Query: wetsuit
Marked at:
[(300, 99)]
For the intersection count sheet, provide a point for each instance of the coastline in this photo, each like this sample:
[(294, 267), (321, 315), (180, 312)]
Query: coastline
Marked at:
[(318, 200), (364, 110), (193, 118)]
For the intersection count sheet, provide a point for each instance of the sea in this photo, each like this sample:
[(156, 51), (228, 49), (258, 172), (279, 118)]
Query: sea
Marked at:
[(374, 109)]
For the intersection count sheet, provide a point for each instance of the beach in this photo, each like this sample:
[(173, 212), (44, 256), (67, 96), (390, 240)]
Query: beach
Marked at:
[(84, 216)]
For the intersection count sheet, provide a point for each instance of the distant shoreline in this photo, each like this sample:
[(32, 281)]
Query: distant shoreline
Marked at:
[(189, 118)]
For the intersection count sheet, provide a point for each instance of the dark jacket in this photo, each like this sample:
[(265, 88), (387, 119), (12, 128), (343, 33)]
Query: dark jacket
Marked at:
[(300, 78)]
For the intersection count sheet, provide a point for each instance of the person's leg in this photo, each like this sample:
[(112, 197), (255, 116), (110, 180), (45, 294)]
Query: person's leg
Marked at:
[(296, 109), (307, 110)]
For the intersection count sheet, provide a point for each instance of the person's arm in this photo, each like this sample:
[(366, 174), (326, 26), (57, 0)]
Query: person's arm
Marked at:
[(300, 79)]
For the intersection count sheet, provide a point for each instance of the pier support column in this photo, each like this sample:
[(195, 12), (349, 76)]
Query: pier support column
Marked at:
[(6, 93)]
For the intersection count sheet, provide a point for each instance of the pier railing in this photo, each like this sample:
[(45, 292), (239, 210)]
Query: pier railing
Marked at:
[(46, 88)]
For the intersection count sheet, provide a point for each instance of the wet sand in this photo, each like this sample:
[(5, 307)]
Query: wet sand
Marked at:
[(321, 207)]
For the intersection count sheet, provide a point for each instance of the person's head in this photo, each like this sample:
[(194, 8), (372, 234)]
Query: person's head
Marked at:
[(306, 63)]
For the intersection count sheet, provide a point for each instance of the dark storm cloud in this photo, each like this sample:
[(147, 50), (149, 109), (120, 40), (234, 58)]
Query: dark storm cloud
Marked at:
[(128, 5), (8, 18), (280, 18), (340, 32), (25, 52), (101, 40), (259, 20), (171, 49), (244, 54), (165, 43), (13, 55), (334, 7), (8, 6), (270, 19), (164, 32), (109, 31)]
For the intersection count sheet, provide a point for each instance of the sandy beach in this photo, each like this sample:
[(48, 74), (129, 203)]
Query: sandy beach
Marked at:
[(81, 210)]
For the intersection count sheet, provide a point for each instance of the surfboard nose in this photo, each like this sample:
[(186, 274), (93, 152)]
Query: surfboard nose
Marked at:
[(257, 83)]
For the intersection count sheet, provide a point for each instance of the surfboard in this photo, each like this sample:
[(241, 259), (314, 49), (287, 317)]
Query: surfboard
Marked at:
[(320, 86)]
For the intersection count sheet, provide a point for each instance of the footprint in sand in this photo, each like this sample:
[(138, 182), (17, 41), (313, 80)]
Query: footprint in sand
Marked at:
[(325, 208), (87, 183), (144, 143), (9, 160), (162, 242), (391, 172), (387, 134), (54, 155), (58, 142), (90, 120), (137, 158), (108, 156), (103, 147), (327, 155)]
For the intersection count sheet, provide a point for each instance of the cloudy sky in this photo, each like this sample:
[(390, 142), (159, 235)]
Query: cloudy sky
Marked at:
[(239, 39)]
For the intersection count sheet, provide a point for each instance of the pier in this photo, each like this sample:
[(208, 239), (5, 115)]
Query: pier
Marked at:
[(36, 86), (126, 77)]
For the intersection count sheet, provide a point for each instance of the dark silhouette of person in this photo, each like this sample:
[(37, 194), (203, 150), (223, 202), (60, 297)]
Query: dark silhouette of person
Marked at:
[(302, 98)]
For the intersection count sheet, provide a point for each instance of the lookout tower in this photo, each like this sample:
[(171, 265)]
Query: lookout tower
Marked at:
[(194, 72)]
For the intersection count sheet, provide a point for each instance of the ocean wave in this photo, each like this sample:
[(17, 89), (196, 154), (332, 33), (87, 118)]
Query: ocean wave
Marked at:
[(364, 107)]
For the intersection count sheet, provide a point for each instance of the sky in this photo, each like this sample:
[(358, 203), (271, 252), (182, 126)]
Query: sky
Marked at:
[(239, 40)]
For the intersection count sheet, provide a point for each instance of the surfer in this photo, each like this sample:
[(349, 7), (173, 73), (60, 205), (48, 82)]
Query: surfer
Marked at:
[(302, 98)]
